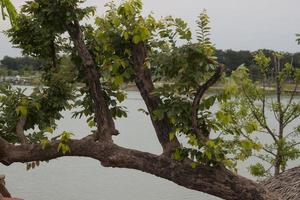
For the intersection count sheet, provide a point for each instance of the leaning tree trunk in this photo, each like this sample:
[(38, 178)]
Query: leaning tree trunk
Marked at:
[(217, 181)]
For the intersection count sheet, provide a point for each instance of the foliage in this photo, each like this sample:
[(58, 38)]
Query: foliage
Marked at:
[(41, 108), (8, 10), (19, 63), (248, 105), (298, 38), (63, 146), (179, 72), (232, 59)]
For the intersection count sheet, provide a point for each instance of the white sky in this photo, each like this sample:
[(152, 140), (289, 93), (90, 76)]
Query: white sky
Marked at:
[(236, 24)]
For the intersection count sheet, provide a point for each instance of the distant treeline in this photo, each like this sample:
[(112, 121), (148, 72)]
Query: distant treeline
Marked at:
[(21, 63), (232, 59)]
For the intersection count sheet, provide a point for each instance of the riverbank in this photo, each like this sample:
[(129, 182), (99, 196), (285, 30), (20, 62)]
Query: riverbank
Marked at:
[(289, 88)]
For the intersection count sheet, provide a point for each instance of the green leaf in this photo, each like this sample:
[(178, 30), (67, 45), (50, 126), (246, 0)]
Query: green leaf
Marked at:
[(195, 165), (223, 117), (92, 123), (35, 5), (172, 135), (22, 110), (177, 155), (257, 170), (126, 35), (136, 39), (118, 80), (66, 136), (120, 96), (49, 130), (64, 148), (44, 143), (251, 126)]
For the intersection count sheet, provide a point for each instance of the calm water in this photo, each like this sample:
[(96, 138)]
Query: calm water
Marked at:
[(86, 179)]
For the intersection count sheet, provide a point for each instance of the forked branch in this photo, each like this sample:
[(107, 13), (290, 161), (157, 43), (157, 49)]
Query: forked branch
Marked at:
[(145, 85), (201, 133), (105, 123)]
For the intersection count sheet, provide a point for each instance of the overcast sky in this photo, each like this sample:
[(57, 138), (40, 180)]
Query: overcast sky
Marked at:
[(236, 24)]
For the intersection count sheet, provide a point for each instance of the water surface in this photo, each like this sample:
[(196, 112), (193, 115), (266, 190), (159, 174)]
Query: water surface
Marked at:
[(84, 178)]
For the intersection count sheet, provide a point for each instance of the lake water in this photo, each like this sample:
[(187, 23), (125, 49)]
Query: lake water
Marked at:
[(86, 179)]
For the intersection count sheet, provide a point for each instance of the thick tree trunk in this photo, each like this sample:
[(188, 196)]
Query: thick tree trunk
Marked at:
[(216, 181), (145, 85), (105, 123)]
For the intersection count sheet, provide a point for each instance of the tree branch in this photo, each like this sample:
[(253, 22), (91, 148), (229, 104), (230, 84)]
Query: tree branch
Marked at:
[(203, 136), (20, 130), (291, 97), (145, 85), (258, 119), (216, 181), (105, 123), (3, 191)]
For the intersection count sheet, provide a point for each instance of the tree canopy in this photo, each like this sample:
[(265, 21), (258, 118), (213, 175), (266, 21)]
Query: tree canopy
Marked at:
[(123, 46)]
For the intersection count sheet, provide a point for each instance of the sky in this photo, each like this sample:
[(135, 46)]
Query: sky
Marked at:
[(236, 24)]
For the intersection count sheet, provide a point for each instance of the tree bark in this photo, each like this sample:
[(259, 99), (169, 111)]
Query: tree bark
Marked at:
[(20, 130), (105, 123), (145, 85), (216, 181), (3, 191), (201, 134)]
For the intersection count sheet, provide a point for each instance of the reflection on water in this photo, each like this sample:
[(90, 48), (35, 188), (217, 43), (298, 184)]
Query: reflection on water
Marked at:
[(83, 178)]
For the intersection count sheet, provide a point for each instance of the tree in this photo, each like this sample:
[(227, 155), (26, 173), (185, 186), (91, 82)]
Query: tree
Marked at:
[(248, 111), (123, 46)]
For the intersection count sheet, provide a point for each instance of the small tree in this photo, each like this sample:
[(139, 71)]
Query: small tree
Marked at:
[(249, 112)]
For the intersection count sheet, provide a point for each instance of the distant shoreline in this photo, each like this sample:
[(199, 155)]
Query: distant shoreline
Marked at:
[(217, 88)]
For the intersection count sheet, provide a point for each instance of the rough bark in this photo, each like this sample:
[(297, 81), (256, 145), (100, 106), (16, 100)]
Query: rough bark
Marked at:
[(105, 122), (3, 191), (145, 85), (20, 130), (202, 135), (217, 181)]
